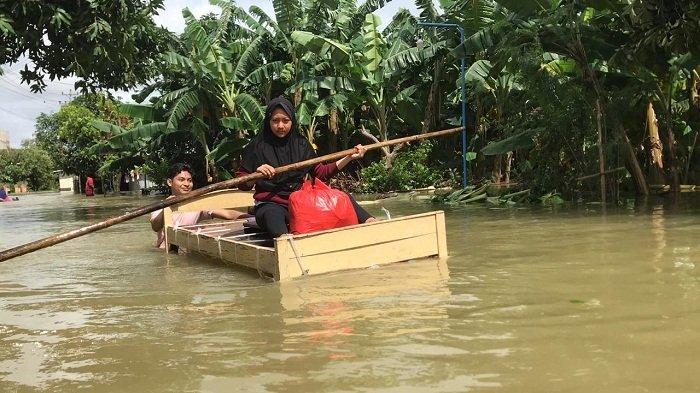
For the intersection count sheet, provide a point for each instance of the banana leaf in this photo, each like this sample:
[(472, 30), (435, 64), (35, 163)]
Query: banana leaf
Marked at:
[(227, 149), (518, 141)]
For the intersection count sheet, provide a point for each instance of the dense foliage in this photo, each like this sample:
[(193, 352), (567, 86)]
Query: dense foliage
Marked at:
[(575, 97), (105, 43), (411, 169), (69, 135), (28, 164)]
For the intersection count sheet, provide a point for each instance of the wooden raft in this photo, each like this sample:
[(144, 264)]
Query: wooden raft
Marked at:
[(354, 247)]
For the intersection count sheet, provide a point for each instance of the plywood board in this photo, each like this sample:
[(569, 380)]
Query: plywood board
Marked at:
[(224, 199)]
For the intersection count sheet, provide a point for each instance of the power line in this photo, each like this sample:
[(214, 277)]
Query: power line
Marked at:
[(34, 98), (16, 72), (18, 116), (50, 96), (22, 88)]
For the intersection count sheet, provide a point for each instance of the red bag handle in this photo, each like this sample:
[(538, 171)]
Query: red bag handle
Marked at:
[(312, 182)]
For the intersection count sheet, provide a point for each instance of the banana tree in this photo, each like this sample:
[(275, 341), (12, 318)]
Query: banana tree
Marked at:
[(311, 110), (201, 90), (304, 74), (499, 85), (369, 71), (129, 147)]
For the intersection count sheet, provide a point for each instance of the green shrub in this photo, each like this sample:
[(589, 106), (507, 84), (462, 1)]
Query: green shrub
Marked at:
[(411, 169)]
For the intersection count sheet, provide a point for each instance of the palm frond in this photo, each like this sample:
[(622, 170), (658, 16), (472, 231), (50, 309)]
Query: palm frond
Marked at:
[(137, 135), (358, 18), (180, 61), (248, 59), (172, 96), (428, 12), (287, 13), (224, 20), (227, 149), (253, 112), (339, 53), (265, 72), (373, 42), (145, 112), (240, 14), (107, 128), (195, 34), (479, 41), (181, 108)]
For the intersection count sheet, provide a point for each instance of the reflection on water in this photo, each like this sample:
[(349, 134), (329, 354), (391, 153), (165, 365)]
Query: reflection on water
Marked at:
[(531, 299)]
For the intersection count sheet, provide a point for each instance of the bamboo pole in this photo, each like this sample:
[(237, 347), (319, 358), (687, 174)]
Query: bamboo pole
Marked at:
[(62, 237), (601, 174)]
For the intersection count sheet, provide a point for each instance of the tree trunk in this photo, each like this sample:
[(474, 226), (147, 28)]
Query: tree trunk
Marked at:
[(509, 161), (601, 151), (656, 166), (496, 173), (432, 110), (693, 116), (480, 169), (428, 120), (388, 153), (333, 126), (632, 164), (297, 97), (672, 157)]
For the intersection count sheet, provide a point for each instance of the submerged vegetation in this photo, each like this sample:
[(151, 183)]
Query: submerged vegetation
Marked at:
[(585, 98)]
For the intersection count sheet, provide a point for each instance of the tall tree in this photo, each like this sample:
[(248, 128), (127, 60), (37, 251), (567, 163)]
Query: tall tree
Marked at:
[(106, 44)]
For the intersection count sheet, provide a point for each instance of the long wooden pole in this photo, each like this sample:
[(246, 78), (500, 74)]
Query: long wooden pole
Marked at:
[(609, 171), (62, 237)]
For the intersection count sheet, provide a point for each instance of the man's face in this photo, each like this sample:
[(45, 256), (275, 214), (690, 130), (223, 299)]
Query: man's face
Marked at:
[(280, 123), (180, 183)]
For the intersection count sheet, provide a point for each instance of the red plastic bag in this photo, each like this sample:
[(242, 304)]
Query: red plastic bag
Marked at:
[(316, 207)]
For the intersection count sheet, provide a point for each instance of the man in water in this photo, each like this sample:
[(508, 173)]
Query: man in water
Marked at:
[(180, 182)]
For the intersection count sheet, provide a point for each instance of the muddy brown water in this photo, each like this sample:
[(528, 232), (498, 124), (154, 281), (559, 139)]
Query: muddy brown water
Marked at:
[(531, 299)]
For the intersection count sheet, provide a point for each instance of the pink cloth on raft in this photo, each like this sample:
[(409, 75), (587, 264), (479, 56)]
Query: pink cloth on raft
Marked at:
[(179, 219)]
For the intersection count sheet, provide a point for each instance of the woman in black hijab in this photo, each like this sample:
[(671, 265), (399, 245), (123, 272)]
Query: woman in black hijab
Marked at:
[(280, 143)]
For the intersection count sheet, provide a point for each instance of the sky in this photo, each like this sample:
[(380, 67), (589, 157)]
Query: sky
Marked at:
[(19, 107)]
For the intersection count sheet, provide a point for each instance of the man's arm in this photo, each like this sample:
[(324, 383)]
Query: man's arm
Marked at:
[(157, 222), (227, 214)]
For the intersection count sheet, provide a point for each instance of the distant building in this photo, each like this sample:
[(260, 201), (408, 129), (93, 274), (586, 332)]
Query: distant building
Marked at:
[(4, 140), (68, 184)]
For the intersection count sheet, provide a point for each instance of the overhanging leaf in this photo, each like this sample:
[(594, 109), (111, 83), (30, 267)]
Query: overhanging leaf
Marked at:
[(107, 128), (227, 149), (233, 123), (144, 112), (518, 141)]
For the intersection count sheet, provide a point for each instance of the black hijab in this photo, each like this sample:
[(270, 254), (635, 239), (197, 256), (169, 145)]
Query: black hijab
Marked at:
[(267, 148)]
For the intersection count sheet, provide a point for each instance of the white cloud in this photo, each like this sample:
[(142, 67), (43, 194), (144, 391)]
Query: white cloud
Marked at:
[(19, 106)]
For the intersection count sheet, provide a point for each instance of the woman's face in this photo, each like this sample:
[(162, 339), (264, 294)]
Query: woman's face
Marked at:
[(181, 183), (280, 123)]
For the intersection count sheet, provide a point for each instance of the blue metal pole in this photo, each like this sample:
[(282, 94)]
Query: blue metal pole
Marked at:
[(462, 73)]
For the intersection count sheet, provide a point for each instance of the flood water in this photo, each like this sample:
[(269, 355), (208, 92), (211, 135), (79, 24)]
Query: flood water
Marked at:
[(531, 299)]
